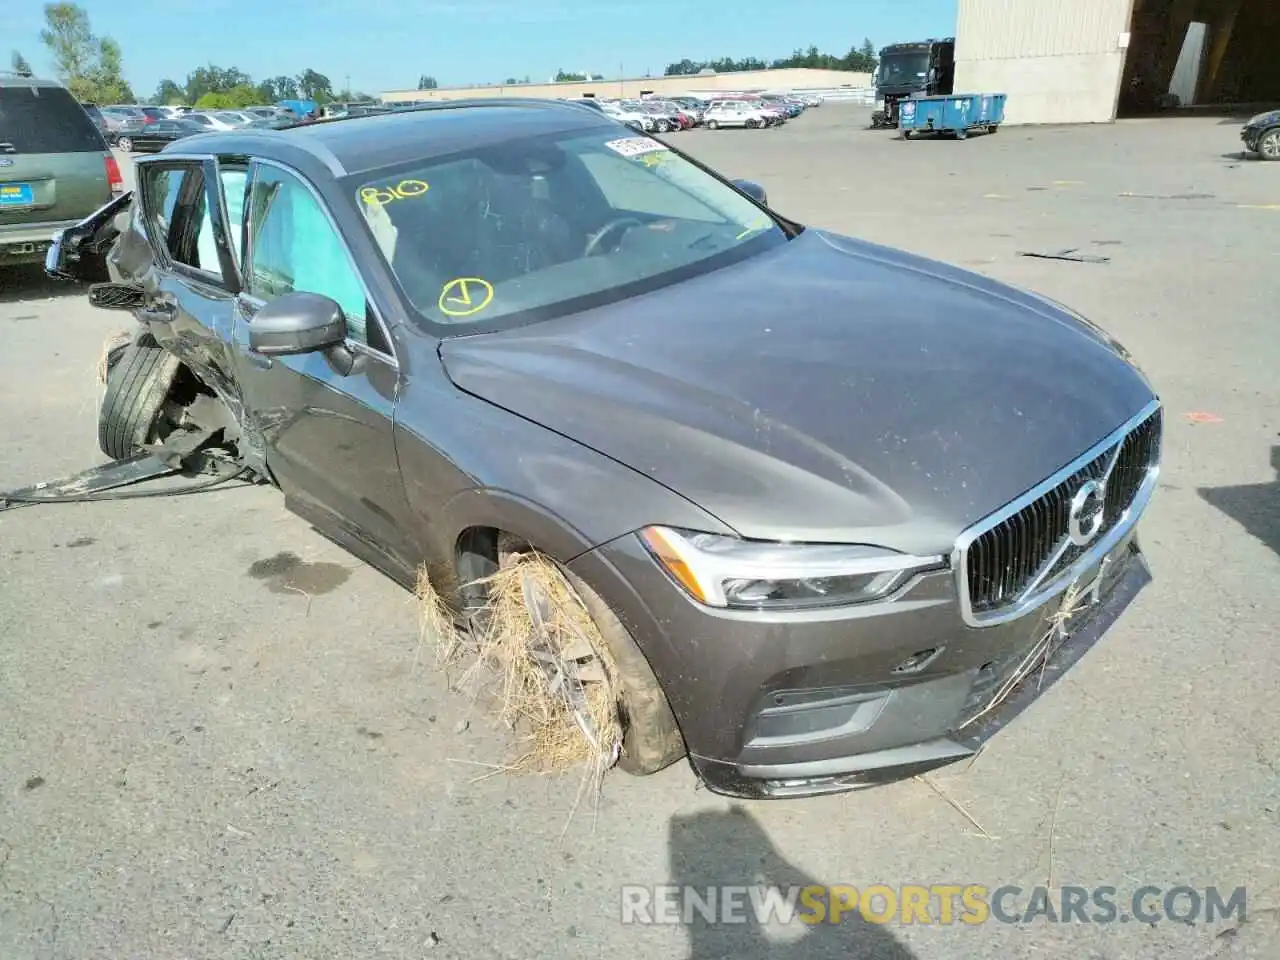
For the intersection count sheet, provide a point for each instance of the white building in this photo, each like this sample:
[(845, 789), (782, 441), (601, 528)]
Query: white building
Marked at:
[(1084, 61)]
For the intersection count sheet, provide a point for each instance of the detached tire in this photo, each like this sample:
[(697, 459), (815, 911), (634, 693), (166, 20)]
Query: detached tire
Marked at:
[(138, 383)]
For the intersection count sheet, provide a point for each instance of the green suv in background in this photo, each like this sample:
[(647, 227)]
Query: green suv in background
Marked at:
[(55, 167)]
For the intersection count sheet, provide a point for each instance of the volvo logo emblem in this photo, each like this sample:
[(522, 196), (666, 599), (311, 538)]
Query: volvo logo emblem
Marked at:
[(1084, 520)]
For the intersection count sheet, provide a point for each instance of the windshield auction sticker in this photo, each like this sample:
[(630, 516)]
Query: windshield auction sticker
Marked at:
[(635, 146)]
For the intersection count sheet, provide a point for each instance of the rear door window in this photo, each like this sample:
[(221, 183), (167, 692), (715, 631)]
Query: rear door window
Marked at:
[(177, 213), (45, 120)]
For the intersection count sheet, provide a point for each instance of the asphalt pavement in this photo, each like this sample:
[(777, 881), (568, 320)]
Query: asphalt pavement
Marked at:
[(221, 736)]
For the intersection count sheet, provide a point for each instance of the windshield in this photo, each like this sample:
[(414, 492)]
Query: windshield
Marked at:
[(537, 227), (904, 67)]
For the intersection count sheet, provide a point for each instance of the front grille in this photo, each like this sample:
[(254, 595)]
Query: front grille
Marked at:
[(1027, 551)]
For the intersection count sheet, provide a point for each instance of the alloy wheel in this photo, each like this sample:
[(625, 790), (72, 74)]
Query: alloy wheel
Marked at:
[(1269, 145)]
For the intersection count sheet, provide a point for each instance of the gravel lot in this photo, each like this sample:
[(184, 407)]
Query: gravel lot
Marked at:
[(220, 736)]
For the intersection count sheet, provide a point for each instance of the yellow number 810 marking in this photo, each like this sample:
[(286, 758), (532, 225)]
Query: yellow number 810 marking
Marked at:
[(381, 196)]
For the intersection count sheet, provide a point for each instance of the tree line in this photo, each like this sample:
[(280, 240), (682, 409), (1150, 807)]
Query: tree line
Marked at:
[(93, 70), (861, 59), (92, 67)]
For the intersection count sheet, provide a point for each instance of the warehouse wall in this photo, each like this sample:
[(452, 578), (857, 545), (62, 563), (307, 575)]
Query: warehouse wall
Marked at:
[(800, 78), (1060, 61)]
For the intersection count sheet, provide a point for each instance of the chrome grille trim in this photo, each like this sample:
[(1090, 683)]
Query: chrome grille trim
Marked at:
[(1030, 590)]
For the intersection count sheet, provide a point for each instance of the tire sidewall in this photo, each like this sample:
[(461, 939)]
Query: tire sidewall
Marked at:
[(1273, 135), (652, 739), (138, 385)]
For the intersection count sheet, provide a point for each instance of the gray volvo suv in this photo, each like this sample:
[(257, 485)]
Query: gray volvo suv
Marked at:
[(839, 511)]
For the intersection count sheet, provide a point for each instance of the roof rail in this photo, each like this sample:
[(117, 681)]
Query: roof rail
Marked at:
[(488, 102)]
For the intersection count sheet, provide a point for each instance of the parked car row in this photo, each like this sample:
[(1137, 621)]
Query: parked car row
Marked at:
[(663, 115), (147, 133)]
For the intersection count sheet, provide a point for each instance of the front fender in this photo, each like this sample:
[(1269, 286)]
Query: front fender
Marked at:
[(467, 463)]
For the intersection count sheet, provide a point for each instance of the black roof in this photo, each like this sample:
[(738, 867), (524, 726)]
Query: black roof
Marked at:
[(352, 145), (916, 45)]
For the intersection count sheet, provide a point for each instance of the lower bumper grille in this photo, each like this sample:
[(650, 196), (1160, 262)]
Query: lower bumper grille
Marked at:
[(1021, 555)]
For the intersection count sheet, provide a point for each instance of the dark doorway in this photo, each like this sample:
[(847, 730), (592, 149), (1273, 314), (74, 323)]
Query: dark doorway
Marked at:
[(1214, 53)]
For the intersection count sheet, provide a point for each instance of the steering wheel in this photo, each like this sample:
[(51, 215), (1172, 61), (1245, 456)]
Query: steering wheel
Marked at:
[(618, 225)]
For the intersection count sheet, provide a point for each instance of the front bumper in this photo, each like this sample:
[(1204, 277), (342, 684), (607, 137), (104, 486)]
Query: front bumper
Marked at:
[(796, 704)]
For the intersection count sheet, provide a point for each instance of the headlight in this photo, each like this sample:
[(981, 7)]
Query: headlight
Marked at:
[(753, 574)]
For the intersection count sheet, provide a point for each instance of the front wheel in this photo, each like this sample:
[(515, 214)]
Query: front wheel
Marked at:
[(651, 738), (713, 124), (125, 144), (662, 126), (752, 124), (139, 378), (1269, 144)]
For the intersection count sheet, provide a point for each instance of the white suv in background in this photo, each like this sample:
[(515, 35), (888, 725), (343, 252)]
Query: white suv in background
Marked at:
[(734, 113)]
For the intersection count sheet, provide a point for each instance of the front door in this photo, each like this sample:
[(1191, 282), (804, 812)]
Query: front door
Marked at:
[(326, 417)]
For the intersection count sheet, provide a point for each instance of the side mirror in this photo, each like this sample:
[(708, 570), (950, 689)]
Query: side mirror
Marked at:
[(752, 190), (297, 323)]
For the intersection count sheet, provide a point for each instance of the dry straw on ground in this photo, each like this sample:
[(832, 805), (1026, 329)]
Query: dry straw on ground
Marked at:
[(535, 648), (1040, 655)]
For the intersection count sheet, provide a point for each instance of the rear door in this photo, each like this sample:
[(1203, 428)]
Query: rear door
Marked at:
[(53, 160), (191, 305)]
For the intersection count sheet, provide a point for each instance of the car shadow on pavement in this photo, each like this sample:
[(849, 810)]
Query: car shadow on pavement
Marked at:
[(30, 282), (1255, 506), (714, 849)]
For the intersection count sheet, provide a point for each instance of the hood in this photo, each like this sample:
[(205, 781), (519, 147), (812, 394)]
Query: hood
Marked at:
[(828, 390), (1264, 119)]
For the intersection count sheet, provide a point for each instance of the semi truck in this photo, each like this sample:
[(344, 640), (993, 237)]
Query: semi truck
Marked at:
[(925, 68)]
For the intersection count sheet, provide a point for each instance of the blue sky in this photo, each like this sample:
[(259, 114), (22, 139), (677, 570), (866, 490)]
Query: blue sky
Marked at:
[(386, 44)]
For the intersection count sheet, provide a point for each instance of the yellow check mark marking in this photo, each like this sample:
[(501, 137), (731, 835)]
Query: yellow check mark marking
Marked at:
[(463, 296)]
